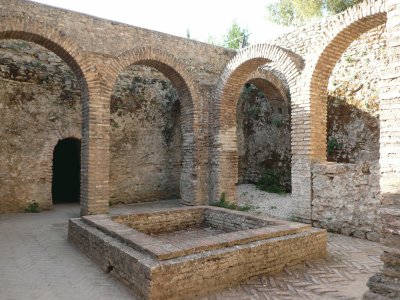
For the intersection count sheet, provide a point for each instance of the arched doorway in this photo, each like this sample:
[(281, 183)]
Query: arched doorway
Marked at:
[(235, 75), (66, 171)]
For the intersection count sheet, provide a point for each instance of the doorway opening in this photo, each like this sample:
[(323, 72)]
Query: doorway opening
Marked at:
[(66, 171)]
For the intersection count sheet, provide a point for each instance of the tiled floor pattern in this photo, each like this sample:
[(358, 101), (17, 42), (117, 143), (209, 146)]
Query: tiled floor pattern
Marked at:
[(37, 262)]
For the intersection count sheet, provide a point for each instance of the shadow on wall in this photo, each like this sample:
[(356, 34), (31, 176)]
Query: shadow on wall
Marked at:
[(346, 189), (263, 132)]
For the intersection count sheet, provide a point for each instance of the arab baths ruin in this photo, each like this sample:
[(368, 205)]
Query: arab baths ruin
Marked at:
[(106, 114)]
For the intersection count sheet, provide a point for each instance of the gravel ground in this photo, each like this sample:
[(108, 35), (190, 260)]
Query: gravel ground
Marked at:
[(274, 205)]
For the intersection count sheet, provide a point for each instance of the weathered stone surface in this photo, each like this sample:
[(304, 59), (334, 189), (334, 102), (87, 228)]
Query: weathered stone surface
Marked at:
[(346, 199), (387, 284), (146, 138), (383, 287), (39, 105), (353, 101), (208, 81), (263, 135)]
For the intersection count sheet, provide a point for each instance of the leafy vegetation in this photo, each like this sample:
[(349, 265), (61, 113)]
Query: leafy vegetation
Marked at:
[(236, 38), (270, 182), (294, 219), (298, 12), (333, 145), (33, 207), (222, 202), (277, 122)]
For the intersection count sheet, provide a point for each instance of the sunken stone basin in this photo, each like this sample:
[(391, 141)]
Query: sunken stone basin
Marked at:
[(188, 252)]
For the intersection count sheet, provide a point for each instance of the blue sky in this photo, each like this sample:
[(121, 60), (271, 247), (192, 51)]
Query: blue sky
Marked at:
[(201, 18)]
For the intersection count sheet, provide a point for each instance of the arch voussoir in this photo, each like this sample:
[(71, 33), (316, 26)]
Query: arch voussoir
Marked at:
[(348, 26), (234, 76)]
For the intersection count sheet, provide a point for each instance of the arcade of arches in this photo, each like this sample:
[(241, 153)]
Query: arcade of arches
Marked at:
[(147, 116)]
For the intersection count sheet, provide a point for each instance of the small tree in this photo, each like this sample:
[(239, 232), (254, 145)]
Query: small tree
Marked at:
[(236, 37), (298, 12)]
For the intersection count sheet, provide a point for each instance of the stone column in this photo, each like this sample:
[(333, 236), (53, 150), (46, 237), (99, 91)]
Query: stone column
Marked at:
[(386, 285)]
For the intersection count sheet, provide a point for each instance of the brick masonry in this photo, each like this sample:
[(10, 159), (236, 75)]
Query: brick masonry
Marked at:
[(96, 59), (386, 284), (209, 84), (155, 270), (40, 105), (209, 80)]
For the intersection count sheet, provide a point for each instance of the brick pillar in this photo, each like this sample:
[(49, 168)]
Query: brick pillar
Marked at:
[(302, 153), (386, 285), (95, 156)]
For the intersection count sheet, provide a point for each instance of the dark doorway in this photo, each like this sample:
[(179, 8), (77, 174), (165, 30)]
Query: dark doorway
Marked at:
[(66, 171)]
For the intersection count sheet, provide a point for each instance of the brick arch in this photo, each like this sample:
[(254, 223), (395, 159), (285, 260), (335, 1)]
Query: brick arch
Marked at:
[(270, 84), (190, 101), (224, 172), (94, 189), (338, 36), (56, 41)]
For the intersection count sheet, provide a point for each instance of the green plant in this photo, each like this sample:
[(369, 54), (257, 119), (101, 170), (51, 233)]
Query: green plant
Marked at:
[(222, 202), (114, 124), (333, 145), (273, 207), (297, 12), (237, 37), (18, 45), (270, 182), (33, 207), (37, 64), (254, 111), (261, 94), (277, 122), (247, 90), (349, 59), (294, 219)]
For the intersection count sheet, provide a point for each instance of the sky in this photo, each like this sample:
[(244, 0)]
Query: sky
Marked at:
[(201, 17)]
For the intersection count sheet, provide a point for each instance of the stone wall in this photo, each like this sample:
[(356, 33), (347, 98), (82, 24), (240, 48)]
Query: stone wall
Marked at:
[(353, 133), (353, 115), (385, 285), (40, 104), (346, 199), (353, 104), (98, 51), (346, 195), (208, 80), (146, 138), (110, 38), (263, 130)]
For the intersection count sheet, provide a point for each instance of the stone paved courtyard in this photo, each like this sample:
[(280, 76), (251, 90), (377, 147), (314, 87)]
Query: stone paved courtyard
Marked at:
[(37, 262)]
